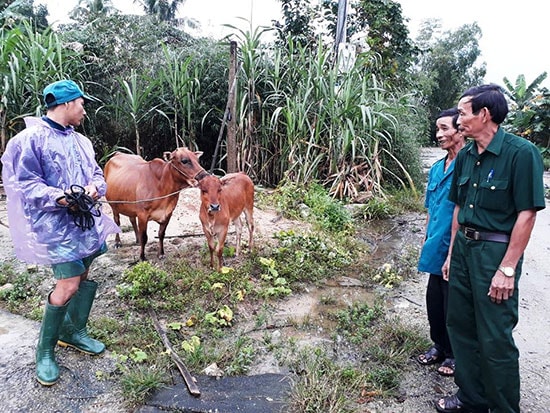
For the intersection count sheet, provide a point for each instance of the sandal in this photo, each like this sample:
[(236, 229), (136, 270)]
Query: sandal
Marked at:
[(432, 356), (447, 368), (451, 404)]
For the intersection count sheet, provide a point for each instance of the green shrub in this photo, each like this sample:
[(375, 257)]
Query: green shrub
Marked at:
[(313, 204), (139, 381), (310, 257), (143, 279), (356, 322), (323, 385), (23, 288)]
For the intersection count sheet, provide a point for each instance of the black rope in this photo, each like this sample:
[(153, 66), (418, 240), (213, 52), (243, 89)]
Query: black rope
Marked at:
[(82, 207)]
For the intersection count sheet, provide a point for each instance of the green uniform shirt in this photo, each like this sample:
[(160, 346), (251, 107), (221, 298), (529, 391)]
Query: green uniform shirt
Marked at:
[(493, 187)]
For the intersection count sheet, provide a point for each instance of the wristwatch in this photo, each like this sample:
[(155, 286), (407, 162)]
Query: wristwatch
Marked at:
[(507, 271)]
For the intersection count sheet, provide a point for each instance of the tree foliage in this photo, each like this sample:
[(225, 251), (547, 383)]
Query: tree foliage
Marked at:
[(13, 13), (28, 61), (374, 27), (386, 35), (530, 110), (121, 47), (447, 65), (298, 117), (87, 10), (164, 10), (297, 24)]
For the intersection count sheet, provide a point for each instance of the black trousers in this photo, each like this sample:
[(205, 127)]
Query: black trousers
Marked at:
[(437, 293)]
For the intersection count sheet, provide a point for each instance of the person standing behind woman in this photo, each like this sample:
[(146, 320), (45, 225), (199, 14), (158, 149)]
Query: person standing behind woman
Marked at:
[(42, 164), (437, 240), (497, 190)]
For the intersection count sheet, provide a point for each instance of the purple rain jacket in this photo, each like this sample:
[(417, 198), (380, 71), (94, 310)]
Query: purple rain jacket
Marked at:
[(39, 164)]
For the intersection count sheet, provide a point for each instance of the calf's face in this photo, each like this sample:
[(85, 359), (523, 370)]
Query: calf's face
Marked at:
[(211, 188)]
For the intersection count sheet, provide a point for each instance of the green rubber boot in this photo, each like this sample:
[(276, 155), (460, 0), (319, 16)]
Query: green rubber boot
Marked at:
[(73, 331), (47, 370)]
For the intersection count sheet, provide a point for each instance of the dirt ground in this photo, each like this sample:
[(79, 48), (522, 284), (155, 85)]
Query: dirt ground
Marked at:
[(85, 385)]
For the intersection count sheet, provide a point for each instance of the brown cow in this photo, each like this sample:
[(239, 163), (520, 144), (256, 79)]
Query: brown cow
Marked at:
[(149, 191), (223, 200)]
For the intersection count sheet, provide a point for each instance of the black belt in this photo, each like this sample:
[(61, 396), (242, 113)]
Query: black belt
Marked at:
[(475, 235)]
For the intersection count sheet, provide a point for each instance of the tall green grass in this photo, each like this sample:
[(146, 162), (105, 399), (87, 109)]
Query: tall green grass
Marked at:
[(307, 121)]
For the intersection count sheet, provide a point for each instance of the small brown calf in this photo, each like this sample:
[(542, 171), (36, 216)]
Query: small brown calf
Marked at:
[(223, 200)]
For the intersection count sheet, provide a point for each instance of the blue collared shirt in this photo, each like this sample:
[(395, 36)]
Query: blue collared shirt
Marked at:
[(440, 210)]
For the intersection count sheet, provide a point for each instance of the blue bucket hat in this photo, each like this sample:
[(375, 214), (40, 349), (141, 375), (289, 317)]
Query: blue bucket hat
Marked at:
[(63, 91)]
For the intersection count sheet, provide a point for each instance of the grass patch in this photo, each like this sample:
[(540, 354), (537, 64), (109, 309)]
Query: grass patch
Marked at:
[(322, 385), (140, 381), (19, 294), (312, 203), (309, 257), (209, 316)]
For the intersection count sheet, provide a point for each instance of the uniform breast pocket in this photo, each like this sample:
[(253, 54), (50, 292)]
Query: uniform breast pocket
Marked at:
[(494, 195), (430, 191), (462, 188)]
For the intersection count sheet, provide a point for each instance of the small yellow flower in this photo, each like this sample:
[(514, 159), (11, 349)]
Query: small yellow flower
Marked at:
[(217, 286)]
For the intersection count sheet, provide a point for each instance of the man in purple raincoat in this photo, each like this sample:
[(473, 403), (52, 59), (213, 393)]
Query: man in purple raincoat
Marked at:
[(42, 166)]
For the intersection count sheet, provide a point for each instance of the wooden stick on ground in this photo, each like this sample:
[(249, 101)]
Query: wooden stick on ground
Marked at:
[(189, 380)]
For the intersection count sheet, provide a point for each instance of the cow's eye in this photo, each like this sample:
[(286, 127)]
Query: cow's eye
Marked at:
[(185, 160)]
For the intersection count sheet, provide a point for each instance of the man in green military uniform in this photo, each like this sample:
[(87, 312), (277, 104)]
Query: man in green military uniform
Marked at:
[(497, 189)]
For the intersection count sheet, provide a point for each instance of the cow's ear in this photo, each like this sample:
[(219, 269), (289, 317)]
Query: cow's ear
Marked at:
[(167, 156), (199, 153)]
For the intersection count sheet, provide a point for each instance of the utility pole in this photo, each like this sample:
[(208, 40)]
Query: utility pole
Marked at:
[(232, 124), (340, 28)]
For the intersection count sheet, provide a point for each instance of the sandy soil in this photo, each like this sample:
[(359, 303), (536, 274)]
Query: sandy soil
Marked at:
[(86, 392)]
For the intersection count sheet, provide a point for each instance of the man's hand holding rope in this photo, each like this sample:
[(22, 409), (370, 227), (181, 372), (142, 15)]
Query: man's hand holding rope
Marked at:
[(82, 204)]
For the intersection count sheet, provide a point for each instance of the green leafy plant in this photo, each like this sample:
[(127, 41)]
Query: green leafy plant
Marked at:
[(137, 355), (220, 318), (357, 321), (196, 354), (22, 289), (5, 271), (387, 276), (312, 203), (141, 281), (309, 257), (274, 285), (375, 208), (242, 357)]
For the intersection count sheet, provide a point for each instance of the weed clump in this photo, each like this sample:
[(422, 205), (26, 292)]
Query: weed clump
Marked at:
[(141, 282)]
